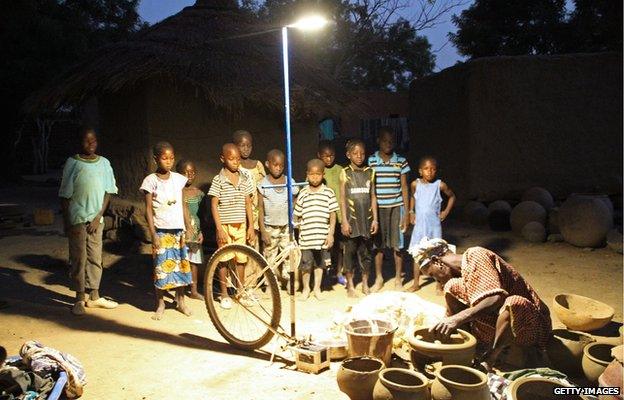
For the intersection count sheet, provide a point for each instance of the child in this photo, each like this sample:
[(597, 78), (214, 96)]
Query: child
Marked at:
[(315, 208), (425, 205), (391, 189), (243, 140), (192, 200), (273, 209), (166, 217), (359, 213), (88, 181), (231, 192), (327, 154)]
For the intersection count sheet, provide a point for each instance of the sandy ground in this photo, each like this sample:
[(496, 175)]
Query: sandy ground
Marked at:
[(129, 356)]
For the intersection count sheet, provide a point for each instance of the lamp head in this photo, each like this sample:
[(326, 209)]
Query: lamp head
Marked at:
[(310, 23)]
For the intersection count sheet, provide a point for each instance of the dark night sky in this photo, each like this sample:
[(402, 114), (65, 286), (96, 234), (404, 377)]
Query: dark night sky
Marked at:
[(155, 10)]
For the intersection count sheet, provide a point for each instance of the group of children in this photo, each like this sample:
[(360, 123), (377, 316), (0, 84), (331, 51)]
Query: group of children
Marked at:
[(346, 216)]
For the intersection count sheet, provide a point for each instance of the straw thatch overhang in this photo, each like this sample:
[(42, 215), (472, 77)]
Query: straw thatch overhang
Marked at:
[(207, 46)]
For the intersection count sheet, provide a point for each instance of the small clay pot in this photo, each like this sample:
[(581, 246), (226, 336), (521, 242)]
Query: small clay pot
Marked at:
[(401, 384), (525, 212), (357, 376), (596, 357), (457, 382), (581, 313), (428, 348), (565, 350), (538, 389)]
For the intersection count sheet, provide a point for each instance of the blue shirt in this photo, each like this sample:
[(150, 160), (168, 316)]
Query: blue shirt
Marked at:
[(84, 183), (388, 179)]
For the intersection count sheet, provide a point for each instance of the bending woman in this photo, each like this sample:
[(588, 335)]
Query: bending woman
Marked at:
[(483, 290)]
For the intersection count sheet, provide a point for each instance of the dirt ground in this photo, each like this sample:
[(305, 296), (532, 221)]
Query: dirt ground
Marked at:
[(129, 356)]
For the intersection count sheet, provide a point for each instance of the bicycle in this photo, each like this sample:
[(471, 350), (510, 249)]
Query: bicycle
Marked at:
[(255, 315)]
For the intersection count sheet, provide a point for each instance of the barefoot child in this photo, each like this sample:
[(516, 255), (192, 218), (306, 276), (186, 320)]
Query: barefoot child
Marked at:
[(391, 189), (273, 207), (425, 206), (231, 192), (87, 184), (359, 213), (166, 216), (192, 200), (327, 154), (315, 208), (243, 140)]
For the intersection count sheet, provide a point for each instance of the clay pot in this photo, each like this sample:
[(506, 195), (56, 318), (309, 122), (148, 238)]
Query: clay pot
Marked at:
[(612, 376), (475, 213), (553, 220), (525, 212), (565, 350), (596, 357), (357, 377), (538, 389), (585, 220), (581, 313), (534, 232), (541, 196), (428, 348), (401, 384), (370, 338), (498, 217), (456, 382)]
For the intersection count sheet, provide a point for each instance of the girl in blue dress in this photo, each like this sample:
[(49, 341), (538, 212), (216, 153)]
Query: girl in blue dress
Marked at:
[(426, 212)]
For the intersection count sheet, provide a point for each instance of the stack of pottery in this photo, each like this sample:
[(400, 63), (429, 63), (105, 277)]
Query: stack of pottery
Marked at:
[(458, 382), (429, 348), (357, 376), (401, 384)]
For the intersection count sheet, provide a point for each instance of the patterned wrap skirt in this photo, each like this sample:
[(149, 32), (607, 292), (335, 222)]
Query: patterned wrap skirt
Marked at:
[(172, 268)]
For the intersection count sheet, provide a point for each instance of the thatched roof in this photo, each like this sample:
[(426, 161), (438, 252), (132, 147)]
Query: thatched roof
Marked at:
[(202, 46)]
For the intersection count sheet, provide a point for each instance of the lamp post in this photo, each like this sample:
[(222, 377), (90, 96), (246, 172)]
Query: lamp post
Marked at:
[(308, 23)]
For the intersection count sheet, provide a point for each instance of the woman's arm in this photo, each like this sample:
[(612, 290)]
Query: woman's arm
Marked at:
[(490, 304)]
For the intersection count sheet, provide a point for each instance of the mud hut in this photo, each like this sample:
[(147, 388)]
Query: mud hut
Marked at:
[(193, 79)]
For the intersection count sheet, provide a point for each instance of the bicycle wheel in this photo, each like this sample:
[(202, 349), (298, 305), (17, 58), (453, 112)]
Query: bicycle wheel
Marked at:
[(256, 308)]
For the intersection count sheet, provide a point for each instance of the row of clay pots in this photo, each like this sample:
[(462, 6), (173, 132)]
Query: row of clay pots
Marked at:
[(365, 378)]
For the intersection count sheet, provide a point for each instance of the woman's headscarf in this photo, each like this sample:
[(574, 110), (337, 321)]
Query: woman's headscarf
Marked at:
[(428, 248)]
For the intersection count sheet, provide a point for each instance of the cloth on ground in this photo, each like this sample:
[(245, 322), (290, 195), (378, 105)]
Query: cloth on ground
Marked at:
[(45, 360), (16, 383)]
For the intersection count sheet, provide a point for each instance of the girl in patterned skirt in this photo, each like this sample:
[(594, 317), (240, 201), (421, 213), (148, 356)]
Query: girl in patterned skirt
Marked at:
[(192, 199), (166, 216)]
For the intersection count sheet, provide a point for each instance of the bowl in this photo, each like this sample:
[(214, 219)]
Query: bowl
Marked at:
[(581, 313), (337, 348)]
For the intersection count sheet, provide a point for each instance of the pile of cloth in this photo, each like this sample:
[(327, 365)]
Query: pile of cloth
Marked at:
[(407, 311), (33, 376)]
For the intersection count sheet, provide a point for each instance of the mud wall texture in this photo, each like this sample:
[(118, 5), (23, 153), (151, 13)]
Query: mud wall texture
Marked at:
[(133, 121), (501, 125)]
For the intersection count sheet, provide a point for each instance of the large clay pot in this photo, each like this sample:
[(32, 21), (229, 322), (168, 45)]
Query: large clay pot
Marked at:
[(357, 376), (476, 213), (534, 232), (585, 220), (581, 313), (596, 357), (525, 212), (370, 338), (498, 217), (539, 195), (565, 350), (538, 389), (428, 348), (457, 382), (401, 384)]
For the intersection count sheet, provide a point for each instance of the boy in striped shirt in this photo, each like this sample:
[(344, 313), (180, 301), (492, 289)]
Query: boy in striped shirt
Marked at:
[(391, 186), (315, 208)]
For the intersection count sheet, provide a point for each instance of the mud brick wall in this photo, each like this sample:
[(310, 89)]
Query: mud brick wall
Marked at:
[(501, 125)]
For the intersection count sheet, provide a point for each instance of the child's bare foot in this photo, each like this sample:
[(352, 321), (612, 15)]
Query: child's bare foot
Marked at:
[(398, 285), (183, 308), (305, 294), (413, 288), (196, 296), (157, 316), (318, 295), (79, 308), (351, 293), (366, 290), (378, 285)]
